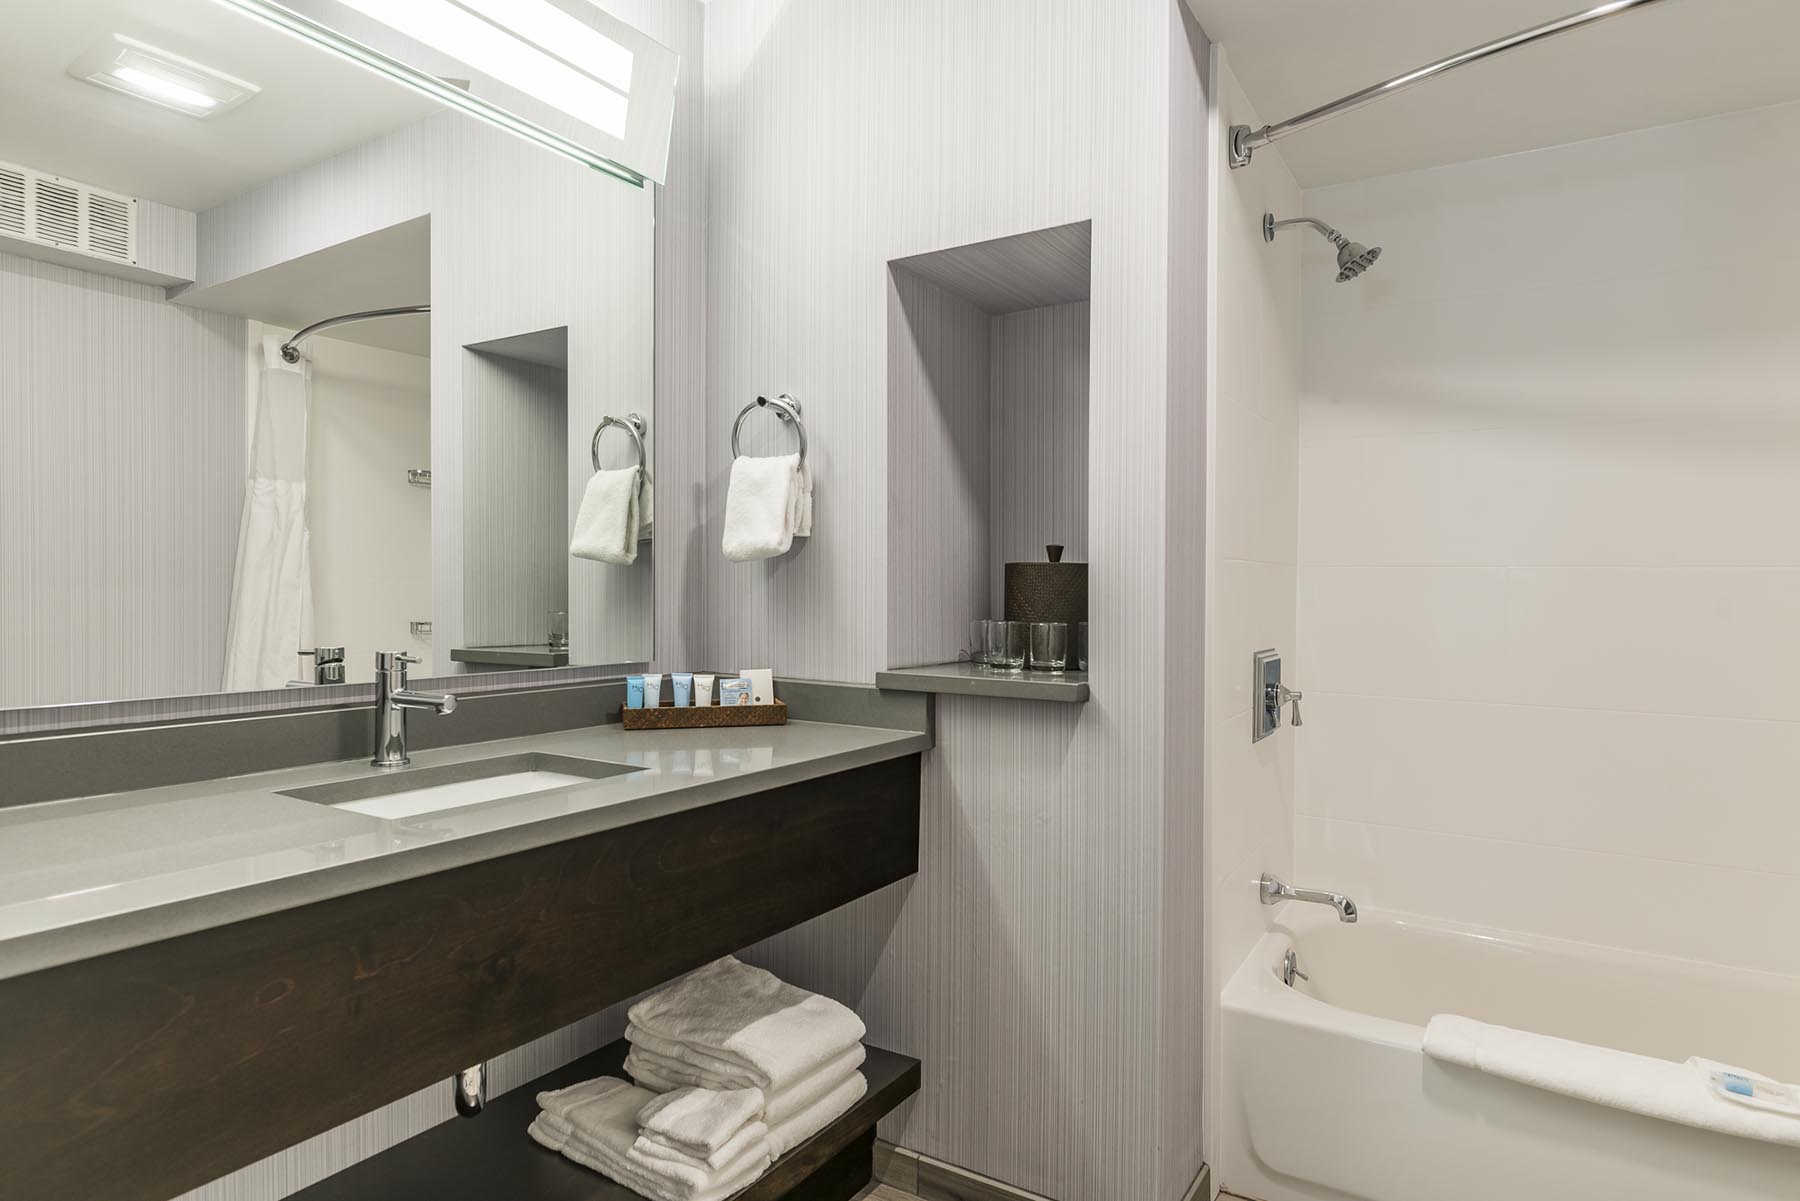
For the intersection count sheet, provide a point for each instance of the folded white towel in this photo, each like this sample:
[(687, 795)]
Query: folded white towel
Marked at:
[(595, 1124), (1654, 1088), (554, 1133), (751, 1136), (701, 1120), (646, 508), (817, 1116), (762, 507), (660, 1074), (750, 1020), (606, 524)]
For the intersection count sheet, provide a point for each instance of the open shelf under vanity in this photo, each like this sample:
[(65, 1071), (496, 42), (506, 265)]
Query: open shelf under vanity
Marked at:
[(490, 1156)]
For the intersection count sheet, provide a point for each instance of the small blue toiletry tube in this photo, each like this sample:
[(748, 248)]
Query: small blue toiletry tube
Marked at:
[(684, 688), (653, 689), (634, 692), (735, 692)]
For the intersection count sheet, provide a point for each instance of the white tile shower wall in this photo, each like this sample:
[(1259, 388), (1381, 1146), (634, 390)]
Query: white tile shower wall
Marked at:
[(843, 134), (1254, 408), (121, 474), (1549, 566)]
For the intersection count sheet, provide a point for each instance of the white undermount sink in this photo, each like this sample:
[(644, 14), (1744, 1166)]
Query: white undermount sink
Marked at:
[(415, 792)]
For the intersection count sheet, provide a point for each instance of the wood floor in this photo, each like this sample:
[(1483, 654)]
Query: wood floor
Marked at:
[(884, 1192)]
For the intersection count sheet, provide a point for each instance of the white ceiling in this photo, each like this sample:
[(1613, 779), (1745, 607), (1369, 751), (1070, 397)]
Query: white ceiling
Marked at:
[(386, 269), (312, 104), (1672, 61)]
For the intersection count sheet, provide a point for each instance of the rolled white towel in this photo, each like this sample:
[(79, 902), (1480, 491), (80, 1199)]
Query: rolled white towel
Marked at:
[(749, 1020), (665, 1075), (606, 524), (761, 508), (699, 1121)]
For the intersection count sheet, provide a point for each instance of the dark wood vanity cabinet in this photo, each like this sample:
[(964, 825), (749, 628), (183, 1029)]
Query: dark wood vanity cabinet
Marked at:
[(142, 1073)]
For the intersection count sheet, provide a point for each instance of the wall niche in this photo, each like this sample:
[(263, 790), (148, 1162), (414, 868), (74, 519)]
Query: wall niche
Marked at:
[(987, 428)]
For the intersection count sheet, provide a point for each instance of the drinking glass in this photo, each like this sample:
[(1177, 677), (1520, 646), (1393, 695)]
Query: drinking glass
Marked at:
[(977, 649), (559, 630), (1005, 642), (1049, 646)]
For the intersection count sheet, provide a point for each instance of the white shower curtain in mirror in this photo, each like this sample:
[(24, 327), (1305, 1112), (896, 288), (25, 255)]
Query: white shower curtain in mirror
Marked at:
[(271, 591)]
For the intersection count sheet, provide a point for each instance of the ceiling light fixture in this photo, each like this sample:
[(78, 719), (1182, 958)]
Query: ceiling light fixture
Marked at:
[(431, 85), (124, 64)]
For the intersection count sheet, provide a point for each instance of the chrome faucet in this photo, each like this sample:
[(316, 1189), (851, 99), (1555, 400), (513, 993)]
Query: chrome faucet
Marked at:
[(1276, 891), (392, 699)]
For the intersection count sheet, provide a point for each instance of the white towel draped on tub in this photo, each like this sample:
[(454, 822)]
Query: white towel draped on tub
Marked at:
[(1654, 1088), (606, 525)]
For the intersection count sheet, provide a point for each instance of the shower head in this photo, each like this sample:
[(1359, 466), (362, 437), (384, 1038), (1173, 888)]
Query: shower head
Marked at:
[(1353, 257)]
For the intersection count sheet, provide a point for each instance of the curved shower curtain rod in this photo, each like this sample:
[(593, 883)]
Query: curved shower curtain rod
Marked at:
[(290, 350), (1245, 141)]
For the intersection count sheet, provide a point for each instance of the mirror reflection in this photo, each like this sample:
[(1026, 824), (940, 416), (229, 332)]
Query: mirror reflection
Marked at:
[(298, 364)]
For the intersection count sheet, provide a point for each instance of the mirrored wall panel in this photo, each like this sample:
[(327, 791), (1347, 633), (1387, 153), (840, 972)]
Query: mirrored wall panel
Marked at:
[(298, 364)]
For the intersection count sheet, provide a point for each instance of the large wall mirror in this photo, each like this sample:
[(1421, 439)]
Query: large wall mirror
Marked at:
[(192, 498)]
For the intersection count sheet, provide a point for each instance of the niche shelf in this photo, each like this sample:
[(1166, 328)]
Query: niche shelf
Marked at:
[(987, 446)]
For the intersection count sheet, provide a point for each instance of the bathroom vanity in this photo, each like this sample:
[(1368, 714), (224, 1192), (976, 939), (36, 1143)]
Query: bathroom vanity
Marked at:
[(195, 976)]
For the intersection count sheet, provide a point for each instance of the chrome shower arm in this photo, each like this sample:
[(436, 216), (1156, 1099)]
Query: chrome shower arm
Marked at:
[(1245, 141), (1270, 225)]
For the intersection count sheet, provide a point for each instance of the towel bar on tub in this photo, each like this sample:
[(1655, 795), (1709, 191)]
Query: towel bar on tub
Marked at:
[(635, 425), (784, 407)]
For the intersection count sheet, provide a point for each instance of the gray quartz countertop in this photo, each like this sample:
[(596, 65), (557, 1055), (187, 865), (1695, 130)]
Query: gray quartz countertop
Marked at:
[(85, 877)]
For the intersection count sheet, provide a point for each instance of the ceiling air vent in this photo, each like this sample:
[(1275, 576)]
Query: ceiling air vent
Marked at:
[(72, 216)]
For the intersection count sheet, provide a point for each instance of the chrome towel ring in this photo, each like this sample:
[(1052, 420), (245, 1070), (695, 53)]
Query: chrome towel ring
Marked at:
[(784, 407), (634, 425)]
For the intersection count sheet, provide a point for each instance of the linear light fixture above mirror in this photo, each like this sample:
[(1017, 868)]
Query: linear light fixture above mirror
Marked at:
[(322, 35)]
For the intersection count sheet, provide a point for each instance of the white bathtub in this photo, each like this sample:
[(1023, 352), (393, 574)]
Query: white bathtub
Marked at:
[(1329, 1097)]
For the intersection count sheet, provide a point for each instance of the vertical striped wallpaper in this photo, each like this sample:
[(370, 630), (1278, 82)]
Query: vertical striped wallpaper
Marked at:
[(121, 479), (938, 353), (1025, 963), (1038, 485)]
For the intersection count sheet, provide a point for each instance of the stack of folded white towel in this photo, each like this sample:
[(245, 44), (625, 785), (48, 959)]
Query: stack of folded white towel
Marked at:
[(733, 1026), (734, 1068), (617, 1129)]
